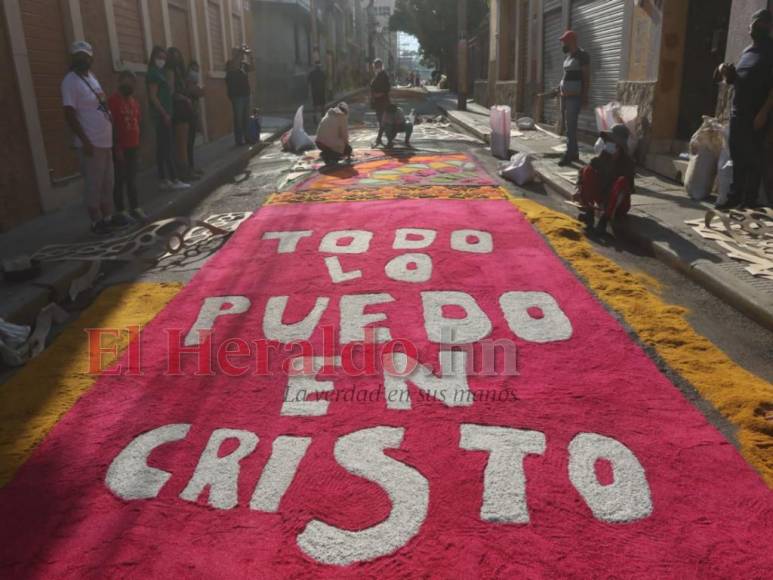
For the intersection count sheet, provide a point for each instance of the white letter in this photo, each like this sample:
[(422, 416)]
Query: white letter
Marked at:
[(275, 329), (472, 328), (553, 326), (397, 268), (300, 385), (221, 474), (288, 241), (482, 244), (627, 498), (286, 454), (337, 273), (129, 476), (359, 244), (504, 482), (451, 388), (354, 320), (210, 310), (403, 243), (362, 453)]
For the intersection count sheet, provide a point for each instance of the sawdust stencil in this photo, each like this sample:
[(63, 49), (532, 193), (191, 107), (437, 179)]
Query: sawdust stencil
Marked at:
[(743, 235)]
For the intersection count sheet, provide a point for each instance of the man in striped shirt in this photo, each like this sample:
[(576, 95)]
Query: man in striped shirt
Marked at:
[(574, 90)]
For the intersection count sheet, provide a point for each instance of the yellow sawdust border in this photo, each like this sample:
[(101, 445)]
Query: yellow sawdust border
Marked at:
[(740, 396), (37, 396)]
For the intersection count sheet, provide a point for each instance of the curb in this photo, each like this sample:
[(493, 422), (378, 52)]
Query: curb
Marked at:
[(21, 303), (703, 273)]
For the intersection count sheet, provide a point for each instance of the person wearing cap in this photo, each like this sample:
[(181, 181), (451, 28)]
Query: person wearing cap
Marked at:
[(333, 135), (574, 90), (88, 116), (379, 96), (608, 181), (752, 78)]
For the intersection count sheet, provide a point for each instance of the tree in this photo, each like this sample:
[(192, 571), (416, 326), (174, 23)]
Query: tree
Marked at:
[(433, 23)]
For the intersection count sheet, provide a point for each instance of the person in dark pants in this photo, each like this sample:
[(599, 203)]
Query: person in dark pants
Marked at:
[(752, 104), (317, 81), (574, 91), (238, 84), (195, 92), (379, 96), (125, 110)]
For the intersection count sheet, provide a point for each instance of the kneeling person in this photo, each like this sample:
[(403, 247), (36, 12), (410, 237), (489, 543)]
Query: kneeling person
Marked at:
[(394, 122), (333, 135), (608, 181)]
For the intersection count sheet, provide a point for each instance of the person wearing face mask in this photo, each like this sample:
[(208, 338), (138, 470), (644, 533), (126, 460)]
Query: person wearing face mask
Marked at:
[(160, 98), (574, 90), (195, 92), (608, 181), (88, 116), (749, 117), (126, 113)]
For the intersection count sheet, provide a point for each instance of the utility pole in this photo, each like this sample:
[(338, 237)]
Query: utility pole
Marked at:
[(461, 58)]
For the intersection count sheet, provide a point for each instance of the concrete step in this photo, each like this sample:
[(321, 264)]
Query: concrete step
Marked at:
[(667, 165)]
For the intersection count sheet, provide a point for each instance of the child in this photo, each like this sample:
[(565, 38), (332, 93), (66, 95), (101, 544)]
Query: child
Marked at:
[(253, 127), (394, 122), (125, 110)]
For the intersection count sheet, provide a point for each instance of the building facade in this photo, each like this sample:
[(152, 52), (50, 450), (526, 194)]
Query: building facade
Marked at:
[(659, 55), (40, 170)]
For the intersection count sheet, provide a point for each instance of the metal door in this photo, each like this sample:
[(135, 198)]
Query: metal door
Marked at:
[(552, 60)]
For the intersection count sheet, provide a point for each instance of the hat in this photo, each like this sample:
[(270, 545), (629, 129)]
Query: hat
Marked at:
[(763, 16), (377, 62), (568, 35), (81, 46), (344, 107), (619, 134)]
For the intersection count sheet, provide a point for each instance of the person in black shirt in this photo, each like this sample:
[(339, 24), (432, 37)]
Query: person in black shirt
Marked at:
[(752, 104), (379, 96), (317, 81), (238, 84)]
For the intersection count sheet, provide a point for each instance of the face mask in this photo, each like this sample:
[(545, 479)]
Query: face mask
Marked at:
[(126, 90), (759, 34), (160, 63), (565, 49), (81, 65), (610, 148)]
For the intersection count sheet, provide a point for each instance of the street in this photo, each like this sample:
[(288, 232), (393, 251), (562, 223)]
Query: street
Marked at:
[(404, 367)]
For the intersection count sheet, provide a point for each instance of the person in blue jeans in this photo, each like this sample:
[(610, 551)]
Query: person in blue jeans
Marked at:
[(238, 85), (574, 91)]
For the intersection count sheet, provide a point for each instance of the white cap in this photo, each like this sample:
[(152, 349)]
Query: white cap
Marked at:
[(81, 46)]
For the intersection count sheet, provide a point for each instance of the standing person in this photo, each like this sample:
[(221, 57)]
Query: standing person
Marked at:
[(752, 104), (333, 135), (574, 91), (379, 96), (195, 92), (88, 116), (317, 83), (160, 98), (125, 110), (182, 109), (238, 83)]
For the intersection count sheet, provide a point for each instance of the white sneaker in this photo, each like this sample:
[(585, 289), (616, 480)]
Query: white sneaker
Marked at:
[(177, 184), (165, 185)]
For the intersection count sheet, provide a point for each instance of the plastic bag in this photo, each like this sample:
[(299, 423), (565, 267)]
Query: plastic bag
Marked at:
[(520, 170), (613, 113), (525, 123), (705, 147), (298, 140), (724, 171), (500, 131)]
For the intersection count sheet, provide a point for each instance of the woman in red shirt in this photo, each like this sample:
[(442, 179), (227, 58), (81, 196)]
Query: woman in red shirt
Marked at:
[(125, 110)]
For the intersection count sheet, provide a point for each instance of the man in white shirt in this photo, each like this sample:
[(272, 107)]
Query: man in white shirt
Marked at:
[(88, 116)]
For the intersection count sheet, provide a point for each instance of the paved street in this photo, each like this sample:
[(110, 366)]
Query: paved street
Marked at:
[(403, 367)]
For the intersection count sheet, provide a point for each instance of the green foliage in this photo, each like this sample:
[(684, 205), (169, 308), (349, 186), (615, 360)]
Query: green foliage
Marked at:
[(434, 23)]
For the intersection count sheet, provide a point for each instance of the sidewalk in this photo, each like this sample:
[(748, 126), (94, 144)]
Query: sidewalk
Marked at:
[(20, 302), (656, 221)]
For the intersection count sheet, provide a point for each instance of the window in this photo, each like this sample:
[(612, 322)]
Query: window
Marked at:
[(237, 22), (216, 39), (130, 43)]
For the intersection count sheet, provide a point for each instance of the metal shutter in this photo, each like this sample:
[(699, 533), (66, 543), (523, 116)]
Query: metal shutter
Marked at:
[(599, 27), (552, 62)]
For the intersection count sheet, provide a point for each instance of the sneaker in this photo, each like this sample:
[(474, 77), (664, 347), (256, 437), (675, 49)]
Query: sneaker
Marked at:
[(564, 161), (139, 215), (177, 185), (165, 185), (601, 227), (100, 228), (120, 220)]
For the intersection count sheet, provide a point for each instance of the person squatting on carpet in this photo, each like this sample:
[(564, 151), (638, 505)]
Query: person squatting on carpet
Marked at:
[(608, 181), (333, 135), (394, 122)]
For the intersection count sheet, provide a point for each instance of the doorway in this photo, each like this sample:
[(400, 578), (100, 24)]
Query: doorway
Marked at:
[(704, 51)]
